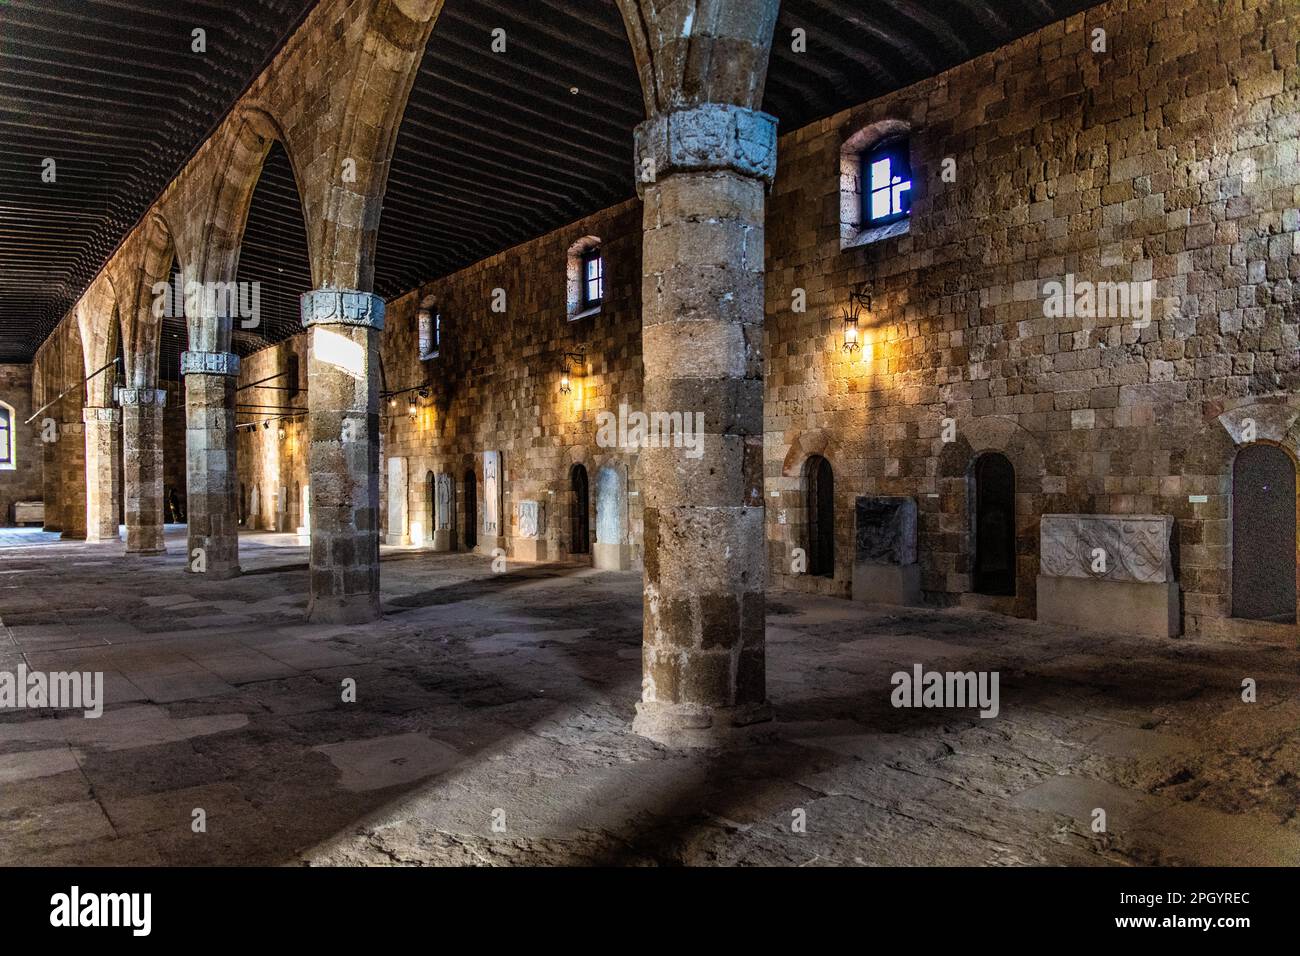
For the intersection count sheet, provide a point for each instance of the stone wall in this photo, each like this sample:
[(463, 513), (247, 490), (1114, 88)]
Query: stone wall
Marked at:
[(276, 467), (173, 441), (22, 482), (1170, 157), (495, 385)]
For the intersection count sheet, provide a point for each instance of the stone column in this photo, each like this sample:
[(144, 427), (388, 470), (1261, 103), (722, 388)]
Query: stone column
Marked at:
[(142, 456), (52, 485), (702, 333), (102, 429), (211, 472), (343, 330), (72, 479)]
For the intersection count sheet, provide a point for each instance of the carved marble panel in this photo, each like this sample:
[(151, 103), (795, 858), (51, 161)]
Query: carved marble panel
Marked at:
[(1108, 547)]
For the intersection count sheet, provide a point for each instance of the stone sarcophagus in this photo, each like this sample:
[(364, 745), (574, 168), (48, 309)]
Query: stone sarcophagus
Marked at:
[(1112, 573), (530, 545), (885, 570)]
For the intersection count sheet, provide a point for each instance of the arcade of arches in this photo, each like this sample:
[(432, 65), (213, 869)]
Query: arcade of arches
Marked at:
[(964, 474)]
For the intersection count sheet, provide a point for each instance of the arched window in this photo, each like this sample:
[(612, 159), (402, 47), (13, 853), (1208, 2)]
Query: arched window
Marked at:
[(430, 329), (819, 483), (586, 277), (995, 525), (8, 454), (876, 185)]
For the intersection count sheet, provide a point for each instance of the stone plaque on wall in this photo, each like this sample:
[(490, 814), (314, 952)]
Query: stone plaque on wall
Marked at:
[(492, 494), (611, 506), (531, 519), (1108, 547), (885, 530), (442, 504), (884, 551), (397, 527)]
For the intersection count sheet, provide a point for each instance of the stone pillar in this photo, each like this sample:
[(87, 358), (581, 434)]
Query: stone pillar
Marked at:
[(102, 429), (343, 330), (52, 485), (211, 472), (142, 456), (72, 479), (702, 336)]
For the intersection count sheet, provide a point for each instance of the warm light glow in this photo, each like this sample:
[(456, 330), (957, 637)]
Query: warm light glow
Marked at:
[(850, 335), (339, 351)]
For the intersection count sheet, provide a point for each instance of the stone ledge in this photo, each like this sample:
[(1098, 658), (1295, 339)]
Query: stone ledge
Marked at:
[(1110, 607), (342, 307), (713, 136)]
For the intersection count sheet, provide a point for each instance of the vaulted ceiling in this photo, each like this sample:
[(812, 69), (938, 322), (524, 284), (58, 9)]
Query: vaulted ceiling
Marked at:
[(494, 149)]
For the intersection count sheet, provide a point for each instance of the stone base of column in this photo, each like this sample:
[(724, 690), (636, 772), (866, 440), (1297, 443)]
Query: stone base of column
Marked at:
[(487, 545), (611, 557), (344, 609), (396, 540), (530, 549), (695, 725), (443, 540)]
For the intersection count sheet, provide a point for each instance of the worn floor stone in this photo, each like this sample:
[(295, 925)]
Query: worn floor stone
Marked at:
[(492, 726)]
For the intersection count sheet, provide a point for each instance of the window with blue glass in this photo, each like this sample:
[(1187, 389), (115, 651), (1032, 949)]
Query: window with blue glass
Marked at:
[(593, 278), (6, 437), (888, 174)]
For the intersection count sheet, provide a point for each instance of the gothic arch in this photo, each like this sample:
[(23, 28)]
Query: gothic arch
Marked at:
[(250, 135)]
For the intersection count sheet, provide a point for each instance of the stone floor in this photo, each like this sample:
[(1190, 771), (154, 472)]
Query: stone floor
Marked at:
[(491, 726)]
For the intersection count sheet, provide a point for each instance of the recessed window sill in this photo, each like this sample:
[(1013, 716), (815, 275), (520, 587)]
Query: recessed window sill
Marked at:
[(586, 313), (426, 356), (877, 234), (8, 466)]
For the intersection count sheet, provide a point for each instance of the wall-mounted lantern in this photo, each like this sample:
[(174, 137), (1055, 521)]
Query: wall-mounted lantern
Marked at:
[(859, 305), (570, 359)]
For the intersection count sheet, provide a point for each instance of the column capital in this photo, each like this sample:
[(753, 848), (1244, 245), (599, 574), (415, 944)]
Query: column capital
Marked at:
[(342, 307), (142, 396), (210, 363), (711, 136), (96, 413)]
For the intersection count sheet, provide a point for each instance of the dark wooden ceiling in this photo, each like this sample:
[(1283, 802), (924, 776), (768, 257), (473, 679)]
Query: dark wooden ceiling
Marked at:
[(495, 148)]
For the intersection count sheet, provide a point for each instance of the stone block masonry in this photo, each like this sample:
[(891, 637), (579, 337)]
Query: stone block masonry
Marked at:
[(24, 477), (1170, 158)]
